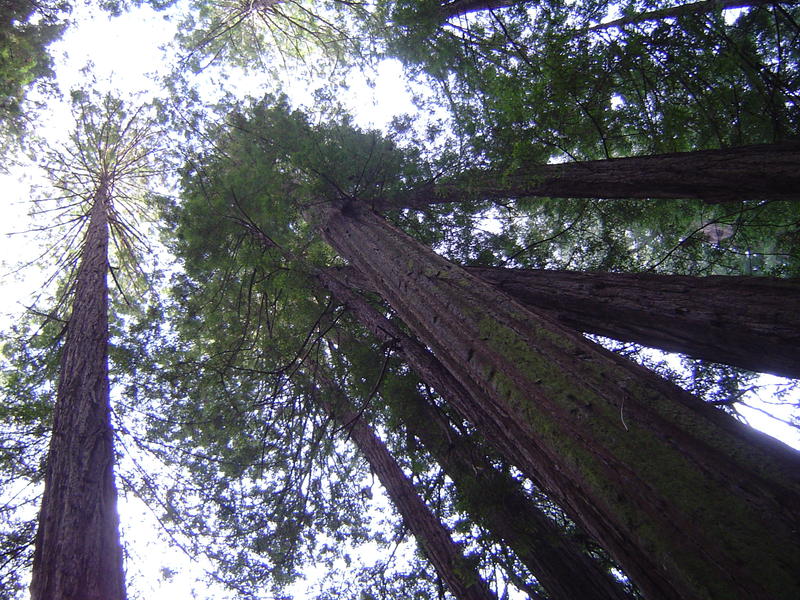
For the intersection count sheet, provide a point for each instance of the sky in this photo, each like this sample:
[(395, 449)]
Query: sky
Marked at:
[(122, 52)]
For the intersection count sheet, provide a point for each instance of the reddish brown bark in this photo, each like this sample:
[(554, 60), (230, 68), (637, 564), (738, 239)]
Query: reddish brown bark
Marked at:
[(494, 498), (684, 9), (767, 171), (748, 322), (498, 502), (78, 555), (690, 502), (460, 577)]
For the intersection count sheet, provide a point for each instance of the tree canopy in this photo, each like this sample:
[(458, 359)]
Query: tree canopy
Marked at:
[(456, 308)]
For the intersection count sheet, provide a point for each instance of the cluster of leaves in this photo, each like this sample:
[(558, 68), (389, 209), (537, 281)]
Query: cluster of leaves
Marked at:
[(26, 30), (217, 379), (653, 87)]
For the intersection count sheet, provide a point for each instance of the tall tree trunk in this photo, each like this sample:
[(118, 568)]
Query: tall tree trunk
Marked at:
[(456, 8), (462, 579), (684, 9), (498, 501), (78, 555), (748, 322), (765, 171), (690, 502)]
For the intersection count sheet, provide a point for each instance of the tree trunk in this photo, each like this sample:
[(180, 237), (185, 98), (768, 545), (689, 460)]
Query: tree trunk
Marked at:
[(496, 499), (766, 171), (690, 502), (684, 9), (456, 8), (748, 322), (78, 555), (461, 577), (499, 502)]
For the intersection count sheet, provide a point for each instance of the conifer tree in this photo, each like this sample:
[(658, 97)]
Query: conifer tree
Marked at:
[(78, 554)]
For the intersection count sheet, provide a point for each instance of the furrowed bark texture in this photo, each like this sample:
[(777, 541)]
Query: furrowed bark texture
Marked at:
[(748, 322), (498, 500), (684, 9), (766, 171), (458, 8), (501, 504), (78, 555), (690, 502), (461, 578)]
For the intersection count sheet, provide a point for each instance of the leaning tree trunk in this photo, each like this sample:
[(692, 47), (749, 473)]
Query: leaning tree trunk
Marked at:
[(498, 502), (766, 171), (78, 555), (673, 12), (495, 499), (748, 322), (690, 502), (457, 8), (459, 575)]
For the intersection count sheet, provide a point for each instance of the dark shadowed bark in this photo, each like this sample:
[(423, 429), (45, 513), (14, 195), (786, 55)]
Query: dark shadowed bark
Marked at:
[(766, 171), (494, 498), (460, 576), (499, 502), (462, 7), (684, 9), (78, 554), (748, 322), (690, 502)]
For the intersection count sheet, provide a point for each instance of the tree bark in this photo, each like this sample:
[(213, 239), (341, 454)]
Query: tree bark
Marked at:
[(78, 555), (748, 322), (461, 578), (499, 502), (765, 171), (496, 499), (684, 9), (690, 502), (457, 8)]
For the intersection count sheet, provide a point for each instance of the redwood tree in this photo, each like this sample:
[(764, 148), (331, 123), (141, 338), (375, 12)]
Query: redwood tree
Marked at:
[(748, 322), (764, 171), (78, 555), (495, 499), (690, 502), (461, 577)]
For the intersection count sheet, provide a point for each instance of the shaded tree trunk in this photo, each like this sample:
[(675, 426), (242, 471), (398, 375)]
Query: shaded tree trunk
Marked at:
[(748, 322), (496, 499), (457, 8), (78, 555), (684, 9), (690, 502), (460, 576), (499, 502), (765, 171)]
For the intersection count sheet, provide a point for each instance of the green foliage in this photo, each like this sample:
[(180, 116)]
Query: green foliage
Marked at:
[(532, 84), (26, 30), (217, 394), (318, 36), (28, 368)]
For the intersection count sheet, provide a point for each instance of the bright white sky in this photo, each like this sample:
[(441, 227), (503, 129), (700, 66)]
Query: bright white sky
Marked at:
[(123, 52)]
